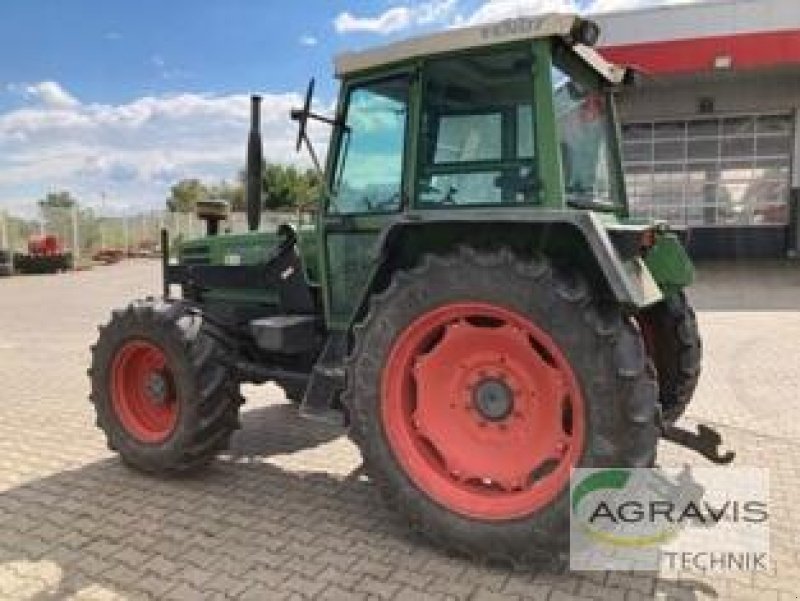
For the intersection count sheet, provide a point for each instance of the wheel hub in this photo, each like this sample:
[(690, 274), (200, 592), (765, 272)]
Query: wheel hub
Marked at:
[(493, 399), (157, 387)]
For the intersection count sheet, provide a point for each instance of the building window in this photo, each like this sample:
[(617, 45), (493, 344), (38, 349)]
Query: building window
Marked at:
[(731, 170)]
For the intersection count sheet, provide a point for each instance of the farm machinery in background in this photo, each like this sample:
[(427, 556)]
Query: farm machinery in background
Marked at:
[(109, 255), (46, 254), (6, 262), (474, 302)]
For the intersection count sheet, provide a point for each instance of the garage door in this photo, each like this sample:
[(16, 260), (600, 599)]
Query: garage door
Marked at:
[(731, 170)]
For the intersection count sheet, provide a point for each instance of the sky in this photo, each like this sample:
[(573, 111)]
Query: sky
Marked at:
[(116, 101)]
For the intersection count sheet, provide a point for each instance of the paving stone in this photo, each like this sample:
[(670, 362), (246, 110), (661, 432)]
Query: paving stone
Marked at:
[(412, 594), (601, 593), (183, 592), (155, 586), (258, 592), (275, 519), (160, 565), (377, 588), (307, 588), (336, 593), (484, 594)]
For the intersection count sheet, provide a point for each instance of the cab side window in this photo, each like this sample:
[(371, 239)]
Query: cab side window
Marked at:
[(477, 132), (369, 166)]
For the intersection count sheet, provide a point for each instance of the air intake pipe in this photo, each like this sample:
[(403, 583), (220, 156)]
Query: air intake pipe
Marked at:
[(254, 162)]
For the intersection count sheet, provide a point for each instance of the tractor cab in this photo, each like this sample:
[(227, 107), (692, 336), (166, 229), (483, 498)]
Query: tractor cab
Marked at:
[(517, 114)]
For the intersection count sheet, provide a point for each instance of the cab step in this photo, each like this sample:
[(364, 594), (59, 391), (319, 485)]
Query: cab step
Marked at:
[(289, 334)]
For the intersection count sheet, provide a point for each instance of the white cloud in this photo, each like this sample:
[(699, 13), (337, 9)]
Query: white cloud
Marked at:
[(406, 16), (308, 40), (601, 6), (433, 12), (48, 93), (396, 18), (136, 150), (167, 71), (496, 10)]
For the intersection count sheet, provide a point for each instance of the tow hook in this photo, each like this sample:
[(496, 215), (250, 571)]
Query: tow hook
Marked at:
[(705, 441)]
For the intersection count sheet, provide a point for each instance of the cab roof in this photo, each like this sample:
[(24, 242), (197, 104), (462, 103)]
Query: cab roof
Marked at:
[(519, 29)]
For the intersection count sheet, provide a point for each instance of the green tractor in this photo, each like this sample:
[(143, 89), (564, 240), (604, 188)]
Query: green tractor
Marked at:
[(473, 302)]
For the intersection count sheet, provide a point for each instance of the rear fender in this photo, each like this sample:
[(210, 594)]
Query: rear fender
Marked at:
[(575, 239)]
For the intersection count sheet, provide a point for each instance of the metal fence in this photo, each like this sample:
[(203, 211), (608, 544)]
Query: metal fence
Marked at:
[(90, 235)]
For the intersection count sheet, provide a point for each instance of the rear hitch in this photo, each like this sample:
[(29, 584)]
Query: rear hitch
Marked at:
[(705, 441)]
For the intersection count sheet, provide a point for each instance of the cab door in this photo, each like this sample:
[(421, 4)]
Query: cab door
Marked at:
[(368, 182)]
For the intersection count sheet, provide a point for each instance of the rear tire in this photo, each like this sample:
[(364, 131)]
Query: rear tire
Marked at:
[(162, 391), (594, 342), (673, 341)]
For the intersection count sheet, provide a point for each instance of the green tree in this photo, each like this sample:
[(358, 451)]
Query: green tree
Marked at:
[(232, 193), (287, 187), (56, 210), (186, 194), (58, 200), (282, 187)]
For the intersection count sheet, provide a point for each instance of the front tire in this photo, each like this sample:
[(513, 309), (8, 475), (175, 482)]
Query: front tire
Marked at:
[(161, 389), (477, 381)]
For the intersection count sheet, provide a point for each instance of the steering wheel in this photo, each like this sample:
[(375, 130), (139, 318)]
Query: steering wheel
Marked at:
[(450, 197)]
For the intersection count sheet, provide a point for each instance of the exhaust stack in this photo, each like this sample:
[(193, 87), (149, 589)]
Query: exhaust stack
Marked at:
[(254, 161)]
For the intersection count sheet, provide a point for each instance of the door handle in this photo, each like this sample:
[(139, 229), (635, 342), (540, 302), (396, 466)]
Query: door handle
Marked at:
[(334, 220), (339, 222)]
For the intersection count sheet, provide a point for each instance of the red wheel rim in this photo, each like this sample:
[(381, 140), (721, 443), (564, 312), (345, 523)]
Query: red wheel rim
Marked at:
[(143, 391), (482, 410)]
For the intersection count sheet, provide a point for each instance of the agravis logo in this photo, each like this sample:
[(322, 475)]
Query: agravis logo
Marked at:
[(640, 514), (596, 525)]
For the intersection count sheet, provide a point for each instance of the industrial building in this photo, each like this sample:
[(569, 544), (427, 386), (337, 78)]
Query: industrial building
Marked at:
[(710, 133)]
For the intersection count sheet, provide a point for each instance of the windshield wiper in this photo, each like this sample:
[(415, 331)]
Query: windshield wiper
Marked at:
[(302, 116)]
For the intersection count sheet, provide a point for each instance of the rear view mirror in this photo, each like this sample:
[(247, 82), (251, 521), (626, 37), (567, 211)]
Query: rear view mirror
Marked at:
[(301, 115)]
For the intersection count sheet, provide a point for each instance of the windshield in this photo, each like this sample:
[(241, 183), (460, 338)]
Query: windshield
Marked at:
[(369, 165), (583, 118)]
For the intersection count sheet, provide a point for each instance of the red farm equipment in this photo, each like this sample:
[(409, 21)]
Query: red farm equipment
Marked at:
[(46, 254)]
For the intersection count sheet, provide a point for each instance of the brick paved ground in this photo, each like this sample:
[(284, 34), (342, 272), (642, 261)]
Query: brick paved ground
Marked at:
[(287, 515)]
